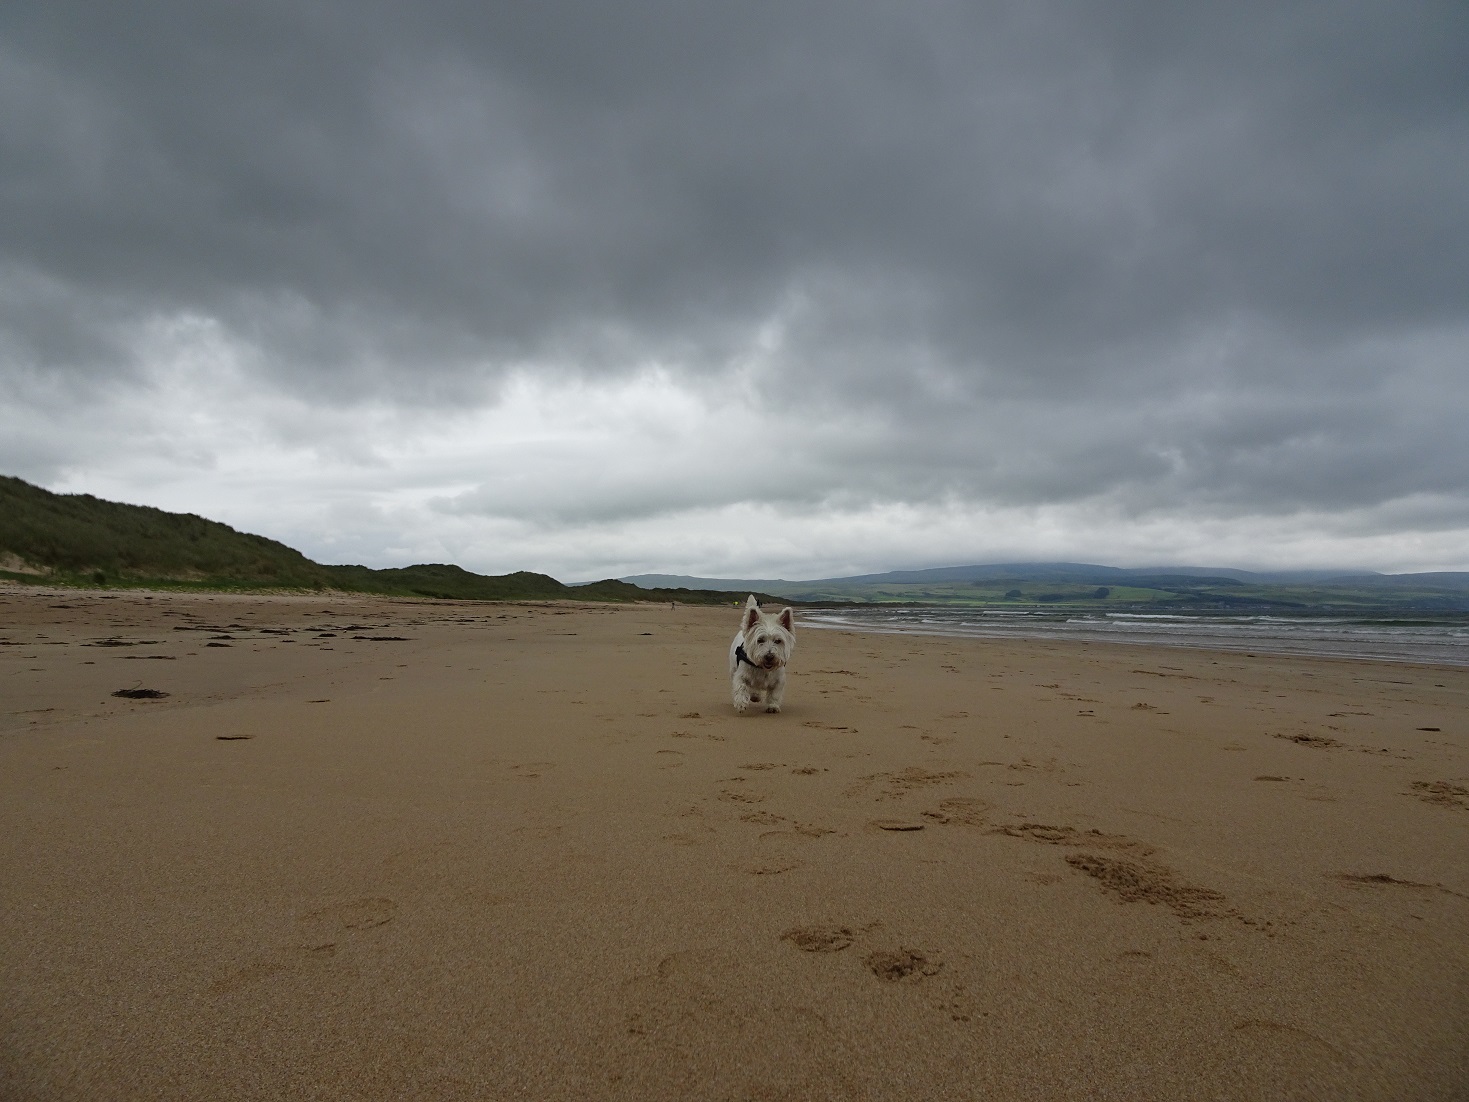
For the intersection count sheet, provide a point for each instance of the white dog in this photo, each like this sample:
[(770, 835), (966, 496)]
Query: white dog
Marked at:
[(758, 657)]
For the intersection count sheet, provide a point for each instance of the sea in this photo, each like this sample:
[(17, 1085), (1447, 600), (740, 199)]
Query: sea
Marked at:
[(1430, 638)]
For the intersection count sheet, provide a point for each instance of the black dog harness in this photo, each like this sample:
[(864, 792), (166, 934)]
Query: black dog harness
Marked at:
[(741, 656)]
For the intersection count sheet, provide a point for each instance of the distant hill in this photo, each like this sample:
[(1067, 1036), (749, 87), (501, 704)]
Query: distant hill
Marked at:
[(78, 539), (1092, 585), (1078, 573), (726, 585), (1090, 574)]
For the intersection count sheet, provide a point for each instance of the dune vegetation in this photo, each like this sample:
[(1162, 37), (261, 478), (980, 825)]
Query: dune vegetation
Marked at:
[(81, 540)]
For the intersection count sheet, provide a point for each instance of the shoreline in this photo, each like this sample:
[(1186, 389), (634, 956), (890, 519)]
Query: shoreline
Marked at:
[(1280, 636), (380, 846), (1202, 645)]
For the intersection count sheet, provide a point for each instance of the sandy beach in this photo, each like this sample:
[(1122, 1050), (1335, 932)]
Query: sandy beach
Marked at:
[(374, 849)]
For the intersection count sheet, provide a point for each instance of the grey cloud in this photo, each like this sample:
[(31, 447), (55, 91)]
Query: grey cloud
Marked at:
[(1053, 251), (1051, 174)]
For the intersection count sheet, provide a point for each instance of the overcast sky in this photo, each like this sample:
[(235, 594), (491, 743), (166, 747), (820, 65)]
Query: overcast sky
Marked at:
[(796, 288)]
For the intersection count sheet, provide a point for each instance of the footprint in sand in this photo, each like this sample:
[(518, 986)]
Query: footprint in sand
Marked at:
[(893, 965), (819, 939), (731, 795), (800, 830), (1144, 882), (960, 809), (691, 837), (889, 965), (1442, 793), (900, 783), (765, 868), (323, 929), (1301, 738), (1297, 1041), (961, 1006), (1070, 836), (763, 818), (531, 770), (356, 914)]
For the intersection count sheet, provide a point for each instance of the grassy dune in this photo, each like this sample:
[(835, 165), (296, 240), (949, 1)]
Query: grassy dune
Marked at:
[(81, 540)]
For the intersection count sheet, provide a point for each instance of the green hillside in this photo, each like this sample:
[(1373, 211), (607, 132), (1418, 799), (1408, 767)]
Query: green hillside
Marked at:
[(78, 537), (81, 540)]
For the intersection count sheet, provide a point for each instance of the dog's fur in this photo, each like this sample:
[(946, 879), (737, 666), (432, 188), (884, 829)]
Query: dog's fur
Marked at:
[(767, 641)]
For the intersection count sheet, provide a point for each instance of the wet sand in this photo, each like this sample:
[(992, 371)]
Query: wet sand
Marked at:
[(370, 849)]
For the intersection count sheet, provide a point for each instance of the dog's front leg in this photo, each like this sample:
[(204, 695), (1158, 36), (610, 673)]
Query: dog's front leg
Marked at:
[(740, 691), (777, 691)]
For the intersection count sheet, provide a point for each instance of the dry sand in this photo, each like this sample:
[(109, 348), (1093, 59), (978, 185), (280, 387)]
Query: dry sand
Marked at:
[(375, 849)]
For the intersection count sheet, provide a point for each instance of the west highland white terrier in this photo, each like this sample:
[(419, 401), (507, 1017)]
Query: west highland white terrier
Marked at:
[(758, 657)]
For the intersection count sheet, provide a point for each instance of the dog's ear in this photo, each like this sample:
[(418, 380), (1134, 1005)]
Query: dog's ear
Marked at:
[(752, 615), (787, 619)]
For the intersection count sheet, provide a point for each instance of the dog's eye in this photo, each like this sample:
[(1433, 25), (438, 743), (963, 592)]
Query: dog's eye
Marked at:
[(764, 639)]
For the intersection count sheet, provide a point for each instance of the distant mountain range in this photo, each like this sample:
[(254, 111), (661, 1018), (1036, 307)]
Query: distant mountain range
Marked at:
[(1082, 573), (1091, 584), (1072, 572)]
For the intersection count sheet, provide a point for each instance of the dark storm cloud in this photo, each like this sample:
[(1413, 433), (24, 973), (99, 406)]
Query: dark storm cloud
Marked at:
[(1202, 252)]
